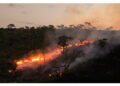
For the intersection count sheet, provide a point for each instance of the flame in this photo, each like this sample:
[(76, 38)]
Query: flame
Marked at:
[(81, 43), (38, 58), (19, 62), (35, 59), (41, 58)]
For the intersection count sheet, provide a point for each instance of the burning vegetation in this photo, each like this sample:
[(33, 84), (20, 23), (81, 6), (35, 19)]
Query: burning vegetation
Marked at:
[(59, 54), (43, 58)]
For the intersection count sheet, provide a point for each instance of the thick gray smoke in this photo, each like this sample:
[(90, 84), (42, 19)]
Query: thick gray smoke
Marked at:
[(85, 53), (73, 56)]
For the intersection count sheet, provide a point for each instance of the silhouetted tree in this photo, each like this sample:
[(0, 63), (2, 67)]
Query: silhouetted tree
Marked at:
[(62, 41), (61, 26), (71, 26), (88, 23), (102, 42), (80, 26), (11, 26)]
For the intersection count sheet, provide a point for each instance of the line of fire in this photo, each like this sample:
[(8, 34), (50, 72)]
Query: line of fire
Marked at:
[(42, 59), (47, 54)]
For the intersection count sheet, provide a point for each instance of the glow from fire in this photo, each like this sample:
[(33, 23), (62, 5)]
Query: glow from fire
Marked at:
[(40, 58), (19, 62)]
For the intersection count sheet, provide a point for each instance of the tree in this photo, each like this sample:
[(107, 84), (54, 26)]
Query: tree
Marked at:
[(71, 26), (88, 23), (11, 26), (62, 41), (102, 43), (26, 27), (81, 26), (61, 26)]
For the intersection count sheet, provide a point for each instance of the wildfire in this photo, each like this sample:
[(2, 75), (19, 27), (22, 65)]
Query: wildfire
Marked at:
[(19, 62), (80, 43), (42, 58), (36, 59)]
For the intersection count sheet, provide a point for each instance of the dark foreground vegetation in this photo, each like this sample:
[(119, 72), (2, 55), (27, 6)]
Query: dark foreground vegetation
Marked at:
[(16, 42)]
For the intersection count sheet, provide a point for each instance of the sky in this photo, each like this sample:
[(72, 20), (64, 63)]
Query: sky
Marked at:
[(100, 15)]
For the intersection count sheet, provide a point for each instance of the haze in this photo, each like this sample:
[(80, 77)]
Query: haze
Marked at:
[(100, 15)]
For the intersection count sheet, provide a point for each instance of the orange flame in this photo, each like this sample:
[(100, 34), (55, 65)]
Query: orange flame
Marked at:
[(19, 62), (42, 58)]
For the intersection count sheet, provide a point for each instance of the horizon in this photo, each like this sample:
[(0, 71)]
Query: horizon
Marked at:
[(100, 15)]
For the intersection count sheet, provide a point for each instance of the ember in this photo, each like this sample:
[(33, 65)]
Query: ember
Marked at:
[(10, 71), (50, 75)]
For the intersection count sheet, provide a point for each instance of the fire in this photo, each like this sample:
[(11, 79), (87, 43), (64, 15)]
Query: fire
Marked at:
[(81, 43), (55, 74), (43, 58), (26, 60), (19, 62), (35, 59), (38, 58)]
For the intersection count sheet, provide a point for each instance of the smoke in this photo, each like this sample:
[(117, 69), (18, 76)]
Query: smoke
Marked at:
[(88, 52), (101, 15), (76, 55)]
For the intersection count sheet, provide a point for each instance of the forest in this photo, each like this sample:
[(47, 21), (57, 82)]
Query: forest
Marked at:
[(87, 54)]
